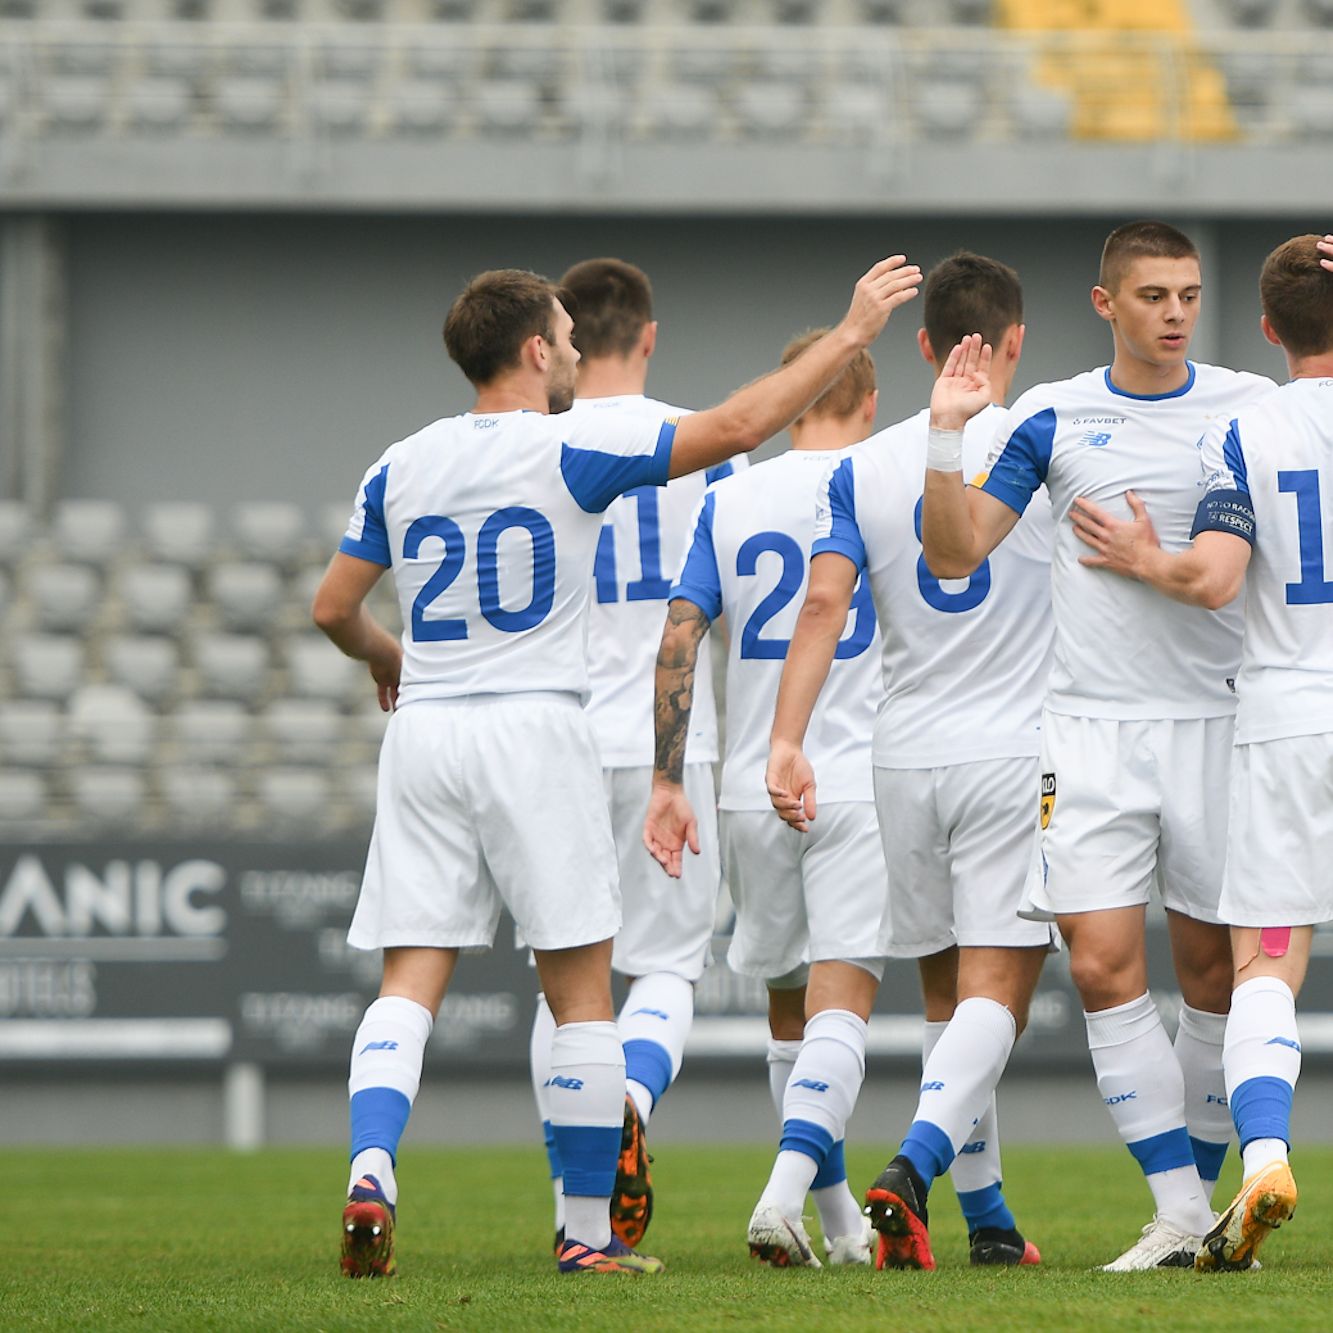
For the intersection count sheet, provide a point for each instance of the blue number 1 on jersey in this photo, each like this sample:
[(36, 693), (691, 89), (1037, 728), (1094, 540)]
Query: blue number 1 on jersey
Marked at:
[(1313, 588), (650, 586)]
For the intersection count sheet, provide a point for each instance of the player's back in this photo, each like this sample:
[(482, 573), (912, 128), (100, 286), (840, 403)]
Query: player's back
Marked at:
[(489, 523), (965, 660), (1121, 649), (1281, 450), (760, 523)]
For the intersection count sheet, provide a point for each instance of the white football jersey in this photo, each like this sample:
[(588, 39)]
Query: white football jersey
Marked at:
[(1279, 453), (490, 524), (1122, 650), (748, 560), (639, 552), (965, 660)]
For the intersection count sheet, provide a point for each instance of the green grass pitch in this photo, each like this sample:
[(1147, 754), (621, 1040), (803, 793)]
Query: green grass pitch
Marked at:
[(203, 1240)]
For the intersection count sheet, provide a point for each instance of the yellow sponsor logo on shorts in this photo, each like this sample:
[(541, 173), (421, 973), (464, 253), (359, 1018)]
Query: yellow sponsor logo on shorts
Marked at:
[(1047, 798)]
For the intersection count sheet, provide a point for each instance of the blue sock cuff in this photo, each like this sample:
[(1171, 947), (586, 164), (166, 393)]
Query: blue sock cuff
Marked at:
[(807, 1137), (649, 1063), (1164, 1152), (986, 1208), (378, 1117), (833, 1169), (588, 1156), (1208, 1157), (1261, 1108), (552, 1153), (928, 1148)]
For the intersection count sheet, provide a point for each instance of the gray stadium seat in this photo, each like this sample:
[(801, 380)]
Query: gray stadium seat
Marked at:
[(269, 530), (147, 664), (853, 112), (975, 12), (211, 731), (531, 11), (31, 733), (623, 11), (47, 666), (347, 62), (158, 105), (156, 598), (23, 801), (317, 670), (772, 109), (1249, 13), (180, 532), (453, 11), (361, 11), (75, 103), (786, 65), (198, 798), (883, 11), (191, 11), (683, 111), (247, 104), (263, 61), (302, 731), (104, 10), (527, 64), (109, 796), (506, 106), (339, 108), (65, 598), (710, 11), (703, 64), (295, 797), (1320, 11), (248, 597), (947, 108), (232, 666), (89, 530), (112, 724), (795, 11), (357, 785), (417, 107), (1309, 110), (440, 62), (84, 58), (18, 9), (1040, 112), (174, 60), (279, 10), (16, 531)]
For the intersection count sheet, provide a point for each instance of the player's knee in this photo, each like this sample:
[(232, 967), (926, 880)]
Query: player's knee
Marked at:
[(1105, 981)]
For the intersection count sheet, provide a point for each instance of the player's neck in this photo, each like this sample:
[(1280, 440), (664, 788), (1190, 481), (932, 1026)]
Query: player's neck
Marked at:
[(1310, 367), (511, 396), (1146, 379), (827, 433), (611, 377)]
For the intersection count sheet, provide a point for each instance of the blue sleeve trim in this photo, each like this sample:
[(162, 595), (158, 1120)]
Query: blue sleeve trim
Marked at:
[(364, 550), (717, 473), (699, 581), (1225, 511), (373, 544), (844, 535), (832, 546), (1023, 462), (1233, 455), (595, 478)]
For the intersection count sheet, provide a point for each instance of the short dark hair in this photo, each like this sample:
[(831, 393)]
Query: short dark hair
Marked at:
[(848, 391), (614, 301), (1297, 296), (494, 315), (969, 293), (1141, 240)]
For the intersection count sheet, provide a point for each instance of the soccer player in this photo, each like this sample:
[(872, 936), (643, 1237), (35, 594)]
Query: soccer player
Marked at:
[(1269, 481), (820, 898), (1136, 729), (489, 780), (663, 943), (955, 765)]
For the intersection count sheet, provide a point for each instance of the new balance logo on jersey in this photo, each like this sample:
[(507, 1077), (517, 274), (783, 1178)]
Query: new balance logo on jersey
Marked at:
[(560, 1081), (1121, 1097), (1215, 1099), (812, 1083), (1096, 438), (1283, 1041), (653, 1013), (933, 1086), (378, 1046), (978, 1146)]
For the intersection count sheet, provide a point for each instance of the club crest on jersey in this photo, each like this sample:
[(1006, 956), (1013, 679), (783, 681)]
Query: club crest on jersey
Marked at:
[(1047, 798)]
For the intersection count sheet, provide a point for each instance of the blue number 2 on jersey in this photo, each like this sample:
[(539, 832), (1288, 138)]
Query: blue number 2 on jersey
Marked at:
[(445, 530), (1313, 588), (753, 644), (933, 591)]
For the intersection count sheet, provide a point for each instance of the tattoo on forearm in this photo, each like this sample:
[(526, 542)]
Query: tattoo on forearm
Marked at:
[(676, 660)]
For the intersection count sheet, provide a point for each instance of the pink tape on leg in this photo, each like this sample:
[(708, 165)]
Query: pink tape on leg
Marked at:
[(1275, 940)]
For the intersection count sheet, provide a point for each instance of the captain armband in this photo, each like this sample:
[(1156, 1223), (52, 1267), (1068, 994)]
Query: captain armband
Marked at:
[(1225, 511)]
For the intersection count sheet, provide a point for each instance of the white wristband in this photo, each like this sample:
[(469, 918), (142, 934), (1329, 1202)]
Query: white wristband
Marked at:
[(944, 450)]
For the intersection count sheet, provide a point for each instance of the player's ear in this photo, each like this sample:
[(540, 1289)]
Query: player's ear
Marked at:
[(1269, 331), (927, 351), (1013, 343), (537, 352), (870, 407), (648, 339), (1103, 303)]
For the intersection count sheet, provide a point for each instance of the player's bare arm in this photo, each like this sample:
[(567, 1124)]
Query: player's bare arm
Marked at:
[(761, 409), (670, 825), (1208, 574), (790, 778), (339, 610), (960, 525)]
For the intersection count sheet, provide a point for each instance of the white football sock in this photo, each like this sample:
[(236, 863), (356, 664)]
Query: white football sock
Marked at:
[(383, 1081), (1198, 1047), (789, 1182), (587, 1100), (977, 1165), (654, 1025), (1141, 1084), (781, 1061), (1263, 1064), (539, 1064)]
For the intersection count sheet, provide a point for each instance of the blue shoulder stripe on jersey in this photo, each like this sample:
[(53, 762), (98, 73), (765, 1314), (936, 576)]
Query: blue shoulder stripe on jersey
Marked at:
[(717, 473), (1234, 457), (1024, 461), (699, 581), (1153, 397), (595, 478), (844, 536), (1225, 511), (373, 544)]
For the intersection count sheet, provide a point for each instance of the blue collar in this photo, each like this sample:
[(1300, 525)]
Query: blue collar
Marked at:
[(1152, 397)]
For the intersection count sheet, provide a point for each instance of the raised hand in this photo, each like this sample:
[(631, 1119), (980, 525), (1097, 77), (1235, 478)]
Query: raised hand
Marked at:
[(669, 827), (791, 785), (963, 387), (1325, 248), (1120, 545), (890, 283)]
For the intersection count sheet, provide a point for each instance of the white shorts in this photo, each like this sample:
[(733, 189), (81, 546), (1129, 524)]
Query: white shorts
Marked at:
[(1280, 843), (1124, 804), (487, 801), (805, 897), (668, 922), (960, 842)]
